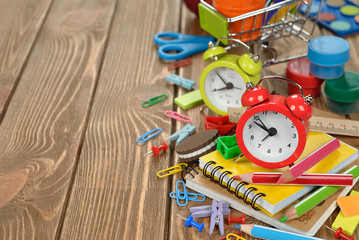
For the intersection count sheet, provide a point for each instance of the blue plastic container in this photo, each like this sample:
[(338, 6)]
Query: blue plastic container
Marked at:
[(327, 56)]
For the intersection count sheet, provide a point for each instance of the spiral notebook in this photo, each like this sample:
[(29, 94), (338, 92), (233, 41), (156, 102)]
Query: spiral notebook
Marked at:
[(308, 224), (271, 199)]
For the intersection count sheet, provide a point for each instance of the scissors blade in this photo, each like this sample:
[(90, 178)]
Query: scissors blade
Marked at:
[(181, 50), (174, 37)]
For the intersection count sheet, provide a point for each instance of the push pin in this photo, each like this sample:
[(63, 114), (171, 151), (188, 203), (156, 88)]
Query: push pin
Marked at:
[(338, 234), (156, 150), (190, 222), (241, 219)]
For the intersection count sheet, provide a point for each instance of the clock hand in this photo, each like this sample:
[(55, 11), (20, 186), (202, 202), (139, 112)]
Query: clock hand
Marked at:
[(229, 86), (219, 89), (262, 126), (271, 132), (265, 137), (262, 123), (237, 88), (222, 79)]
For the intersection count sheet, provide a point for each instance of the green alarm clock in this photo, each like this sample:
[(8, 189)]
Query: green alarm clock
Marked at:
[(223, 81)]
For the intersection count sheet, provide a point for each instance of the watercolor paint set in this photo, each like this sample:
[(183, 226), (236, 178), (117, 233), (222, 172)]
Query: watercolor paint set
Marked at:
[(339, 16)]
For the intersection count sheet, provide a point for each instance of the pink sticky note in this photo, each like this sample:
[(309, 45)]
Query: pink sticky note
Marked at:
[(349, 205)]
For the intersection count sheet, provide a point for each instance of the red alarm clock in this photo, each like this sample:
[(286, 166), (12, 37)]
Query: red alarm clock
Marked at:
[(272, 131)]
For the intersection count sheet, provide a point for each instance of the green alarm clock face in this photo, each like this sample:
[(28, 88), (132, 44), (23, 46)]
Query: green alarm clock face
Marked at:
[(224, 88)]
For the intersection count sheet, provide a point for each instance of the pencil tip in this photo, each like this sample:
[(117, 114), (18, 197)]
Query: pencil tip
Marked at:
[(237, 177), (238, 226), (281, 180), (283, 219)]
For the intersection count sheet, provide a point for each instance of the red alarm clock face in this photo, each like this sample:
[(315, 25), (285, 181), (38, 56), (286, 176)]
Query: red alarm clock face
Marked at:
[(270, 135)]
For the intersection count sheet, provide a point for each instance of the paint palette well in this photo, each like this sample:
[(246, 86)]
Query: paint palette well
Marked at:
[(339, 16)]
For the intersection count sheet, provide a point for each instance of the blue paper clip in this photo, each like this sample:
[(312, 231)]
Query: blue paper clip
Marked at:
[(148, 135), (180, 135), (180, 81), (185, 196)]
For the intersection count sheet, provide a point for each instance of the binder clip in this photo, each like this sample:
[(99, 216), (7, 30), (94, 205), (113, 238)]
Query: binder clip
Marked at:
[(228, 147), (185, 196), (180, 135), (180, 81), (222, 124), (216, 211)]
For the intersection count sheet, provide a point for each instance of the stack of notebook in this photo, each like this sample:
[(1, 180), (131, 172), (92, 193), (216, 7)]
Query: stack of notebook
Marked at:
[(271, 199)]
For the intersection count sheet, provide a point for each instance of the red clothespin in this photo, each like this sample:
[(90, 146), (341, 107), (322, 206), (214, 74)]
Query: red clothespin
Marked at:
[(222, 124)]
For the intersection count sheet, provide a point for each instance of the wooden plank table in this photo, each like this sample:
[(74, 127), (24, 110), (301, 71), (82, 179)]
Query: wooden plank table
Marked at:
[(73, 75)]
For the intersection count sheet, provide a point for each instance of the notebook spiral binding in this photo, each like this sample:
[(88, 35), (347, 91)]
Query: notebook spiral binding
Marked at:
[(189, 169), (229, 187)]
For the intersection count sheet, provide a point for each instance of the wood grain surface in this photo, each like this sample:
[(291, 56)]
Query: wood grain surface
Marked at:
[(73, 76), (42, 131), (120, 195), (20, 23)]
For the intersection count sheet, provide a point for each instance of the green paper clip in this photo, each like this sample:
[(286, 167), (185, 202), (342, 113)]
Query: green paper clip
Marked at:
[(152, 101), (228, 147)]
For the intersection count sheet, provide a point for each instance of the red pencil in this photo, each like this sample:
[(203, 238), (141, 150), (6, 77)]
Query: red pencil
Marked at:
[(309, 161), (316, 179)]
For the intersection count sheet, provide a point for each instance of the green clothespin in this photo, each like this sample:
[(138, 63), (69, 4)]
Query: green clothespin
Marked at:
[(228, 147)]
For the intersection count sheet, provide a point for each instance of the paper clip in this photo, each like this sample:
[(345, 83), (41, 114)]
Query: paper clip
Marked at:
[(185, 132), (178, 64), (180, 81), (148, 135), (172, 170), (185, 196), (234, 235), (154, 100), (178, 116)]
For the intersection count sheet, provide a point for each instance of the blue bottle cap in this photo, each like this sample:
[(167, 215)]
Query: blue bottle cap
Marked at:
[(328, 51)]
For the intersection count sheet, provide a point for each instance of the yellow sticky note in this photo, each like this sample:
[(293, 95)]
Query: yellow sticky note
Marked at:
[(349, 205), (348, 224)]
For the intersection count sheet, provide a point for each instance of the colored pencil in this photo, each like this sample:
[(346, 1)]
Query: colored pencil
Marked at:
[(309, 161), (315, 198), (315, 179), (270, 233)]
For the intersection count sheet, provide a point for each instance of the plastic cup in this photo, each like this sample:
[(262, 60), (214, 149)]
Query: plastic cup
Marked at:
[(234, 8)]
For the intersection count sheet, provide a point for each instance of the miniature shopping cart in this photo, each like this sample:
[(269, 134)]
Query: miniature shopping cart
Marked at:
[(278, 20)]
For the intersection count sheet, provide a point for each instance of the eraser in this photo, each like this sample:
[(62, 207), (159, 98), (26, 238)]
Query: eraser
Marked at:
[(348, 224), (189, 99)]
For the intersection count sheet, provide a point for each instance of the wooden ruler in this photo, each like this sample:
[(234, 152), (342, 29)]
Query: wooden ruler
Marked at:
[(334, 126), (317, 124)]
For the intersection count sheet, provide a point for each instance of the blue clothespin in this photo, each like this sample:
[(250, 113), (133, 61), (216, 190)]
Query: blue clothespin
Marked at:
[(180, 81), (185, 132), (216, 211), (185, 196)]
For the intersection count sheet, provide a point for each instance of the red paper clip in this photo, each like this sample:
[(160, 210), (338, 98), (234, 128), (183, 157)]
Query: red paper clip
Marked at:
[(178, 116), (178, 64)]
